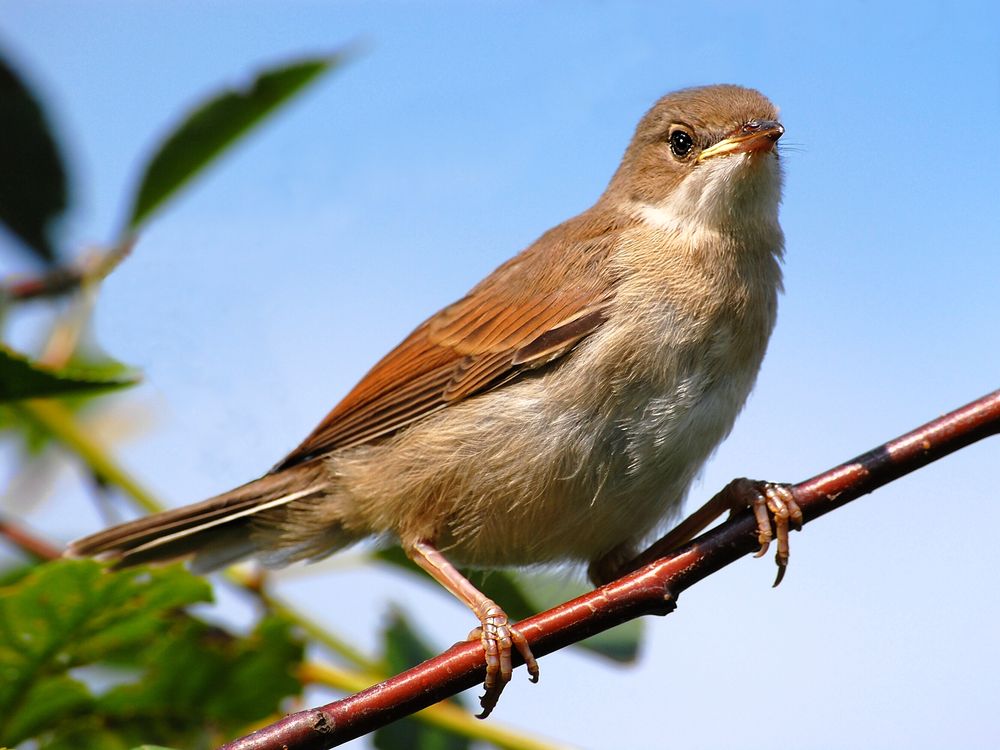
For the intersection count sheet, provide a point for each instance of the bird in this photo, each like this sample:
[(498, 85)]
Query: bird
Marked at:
[(560, 410)]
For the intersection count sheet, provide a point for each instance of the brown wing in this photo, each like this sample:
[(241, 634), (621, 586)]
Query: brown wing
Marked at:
[(527, 313)]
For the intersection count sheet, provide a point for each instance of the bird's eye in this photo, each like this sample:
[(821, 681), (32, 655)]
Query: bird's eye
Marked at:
[(680, 144)]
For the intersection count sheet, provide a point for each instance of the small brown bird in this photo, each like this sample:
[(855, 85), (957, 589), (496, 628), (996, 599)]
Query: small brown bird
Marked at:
[(557, 412)]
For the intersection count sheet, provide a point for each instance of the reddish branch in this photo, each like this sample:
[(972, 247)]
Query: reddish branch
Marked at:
[(652, 589), (26, 541)]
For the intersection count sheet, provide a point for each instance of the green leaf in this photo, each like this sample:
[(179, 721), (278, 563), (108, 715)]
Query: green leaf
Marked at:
[(10, 576), (404, 648), (33, 190), (207, 675), (70, 613), (109, 660), (260, 673), (22, 378), (215, 126), (524, 594), (45, 701)]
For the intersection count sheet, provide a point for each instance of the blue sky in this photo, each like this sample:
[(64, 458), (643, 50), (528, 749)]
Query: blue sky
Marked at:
[(462, 133)]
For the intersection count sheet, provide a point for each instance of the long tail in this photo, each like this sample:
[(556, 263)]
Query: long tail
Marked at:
[(215, 532)]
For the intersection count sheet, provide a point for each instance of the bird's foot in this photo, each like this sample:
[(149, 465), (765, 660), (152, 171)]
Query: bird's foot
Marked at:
[(767, 500), (499, 637)]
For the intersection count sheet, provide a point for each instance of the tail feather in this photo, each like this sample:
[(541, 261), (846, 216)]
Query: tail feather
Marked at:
[(217, 531)]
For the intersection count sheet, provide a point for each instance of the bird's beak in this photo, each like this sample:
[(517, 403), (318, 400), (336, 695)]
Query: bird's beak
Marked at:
[(756, 135)]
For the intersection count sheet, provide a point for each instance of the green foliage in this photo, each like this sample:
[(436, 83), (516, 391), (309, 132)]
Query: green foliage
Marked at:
[(22, 378), (522, 595), (68, 614), (92, 659), (33, 189), (98, 659), (215, 126), (405, 649)]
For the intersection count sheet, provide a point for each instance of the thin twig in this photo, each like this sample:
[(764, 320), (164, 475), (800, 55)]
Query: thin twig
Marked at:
[(55, 419), (26, 541), (61, 281), (652, 589)]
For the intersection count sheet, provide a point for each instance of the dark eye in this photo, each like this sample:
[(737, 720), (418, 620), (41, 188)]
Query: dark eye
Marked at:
[(680, 144)]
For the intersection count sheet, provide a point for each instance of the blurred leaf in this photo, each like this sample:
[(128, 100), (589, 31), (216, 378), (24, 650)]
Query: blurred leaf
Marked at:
[(33, 185), (69, 613), (57, 420), (207, 674), (34, 439), (524, 594), (38, 467), (21, 378), (89, 356), (215, 126), (10, 576), (405, 649), (97, 659), (43, 703)]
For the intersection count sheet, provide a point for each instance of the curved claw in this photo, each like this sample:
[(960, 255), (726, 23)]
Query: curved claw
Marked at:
[(769, 500), (495, 632), (498, 637)]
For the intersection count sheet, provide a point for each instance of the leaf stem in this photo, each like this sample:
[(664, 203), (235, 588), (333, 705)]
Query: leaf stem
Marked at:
[(58, 421)]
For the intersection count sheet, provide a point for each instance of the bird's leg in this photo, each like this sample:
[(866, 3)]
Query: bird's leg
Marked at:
[(496, 633), (765, 499)]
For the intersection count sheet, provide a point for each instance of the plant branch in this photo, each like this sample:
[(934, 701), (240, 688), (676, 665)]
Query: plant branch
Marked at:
[(55, 419), (442, 715), (63, 280), (652, 589), (27, 541)]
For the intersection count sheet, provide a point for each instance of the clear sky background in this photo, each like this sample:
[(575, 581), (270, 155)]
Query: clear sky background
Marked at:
[(466, 130)]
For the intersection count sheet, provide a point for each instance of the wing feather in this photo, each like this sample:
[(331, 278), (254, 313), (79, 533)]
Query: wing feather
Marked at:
[(528, 313)]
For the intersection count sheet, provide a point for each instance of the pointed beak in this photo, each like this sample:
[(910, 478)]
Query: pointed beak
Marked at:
[(756, 135)]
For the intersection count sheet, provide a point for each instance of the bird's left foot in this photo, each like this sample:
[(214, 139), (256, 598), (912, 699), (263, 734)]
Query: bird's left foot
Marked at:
[(767, 500), (764, 499), (499, 637)]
